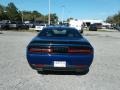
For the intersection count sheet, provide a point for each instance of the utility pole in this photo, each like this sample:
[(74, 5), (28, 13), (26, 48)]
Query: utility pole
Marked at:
[(62, 14), (22, 16), (49, 13)]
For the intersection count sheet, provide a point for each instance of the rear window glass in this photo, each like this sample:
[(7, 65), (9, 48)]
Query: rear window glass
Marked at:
[(59, 33)]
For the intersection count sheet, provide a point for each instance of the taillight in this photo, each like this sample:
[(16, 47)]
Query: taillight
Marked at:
[(80, 50), (38, 65), (81, 66), (40, 50)]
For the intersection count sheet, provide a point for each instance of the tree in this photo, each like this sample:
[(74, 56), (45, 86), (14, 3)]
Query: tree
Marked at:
[(69, 19), (2, 13), (109, 19), (27, 15), (53, 18), (12, 12), (36, 15), (41, 19), (32, 15), (115, 19)]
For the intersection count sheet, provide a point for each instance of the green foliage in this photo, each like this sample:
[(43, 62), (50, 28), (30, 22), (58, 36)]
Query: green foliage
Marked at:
[(11, 12), (32, 16), (69, 19), (115, 19), (53, 18), (2, 13)]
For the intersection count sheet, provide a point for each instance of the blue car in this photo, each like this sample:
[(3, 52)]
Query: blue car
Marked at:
[(60, 49)]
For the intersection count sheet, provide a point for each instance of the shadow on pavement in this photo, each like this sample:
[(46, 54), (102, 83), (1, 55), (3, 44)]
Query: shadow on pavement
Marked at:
[(61, 73), (1, 32)]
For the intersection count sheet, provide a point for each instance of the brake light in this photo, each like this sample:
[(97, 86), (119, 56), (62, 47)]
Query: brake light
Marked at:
[(80, 50), (38, 65), (40, 50), (81, 66)]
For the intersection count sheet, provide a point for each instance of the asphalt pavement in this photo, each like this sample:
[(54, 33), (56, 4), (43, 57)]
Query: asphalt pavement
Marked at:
[(16, 74)]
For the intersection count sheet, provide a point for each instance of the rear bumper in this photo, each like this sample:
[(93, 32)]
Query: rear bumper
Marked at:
[(69, 58), (73, 62), (68, 68)]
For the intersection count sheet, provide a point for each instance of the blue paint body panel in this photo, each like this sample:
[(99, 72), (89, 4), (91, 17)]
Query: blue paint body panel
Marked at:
[(69, 58)]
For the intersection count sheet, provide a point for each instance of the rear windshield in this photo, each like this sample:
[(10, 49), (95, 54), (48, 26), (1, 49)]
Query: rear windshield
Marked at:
[(59, 33)]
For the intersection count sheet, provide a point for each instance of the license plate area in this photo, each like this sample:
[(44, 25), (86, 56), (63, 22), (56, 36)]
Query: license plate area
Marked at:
[(59, 63)]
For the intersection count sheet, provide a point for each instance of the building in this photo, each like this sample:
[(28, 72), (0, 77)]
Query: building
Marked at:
[(86, 23)]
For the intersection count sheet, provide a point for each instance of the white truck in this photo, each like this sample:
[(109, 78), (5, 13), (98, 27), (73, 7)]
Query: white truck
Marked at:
[(76, 24), (40, 27)]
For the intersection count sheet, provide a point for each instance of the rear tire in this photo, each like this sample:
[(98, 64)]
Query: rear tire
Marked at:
[(82, 72), (37, 30), (42, 72), (39, 72), (81, 31)]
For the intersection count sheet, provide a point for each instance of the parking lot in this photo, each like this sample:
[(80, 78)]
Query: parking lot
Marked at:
[(16, 74)]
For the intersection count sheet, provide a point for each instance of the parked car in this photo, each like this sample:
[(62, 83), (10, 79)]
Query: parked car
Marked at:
[(39, 27), (4, 24), (93, 27), (98, 25), (7, 25), (60, 49), (117, 27), (18, 25)]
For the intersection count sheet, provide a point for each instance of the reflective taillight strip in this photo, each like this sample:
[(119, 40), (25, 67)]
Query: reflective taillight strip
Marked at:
[(69, 50), (38, 65), (86, 51), (40, 50)]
